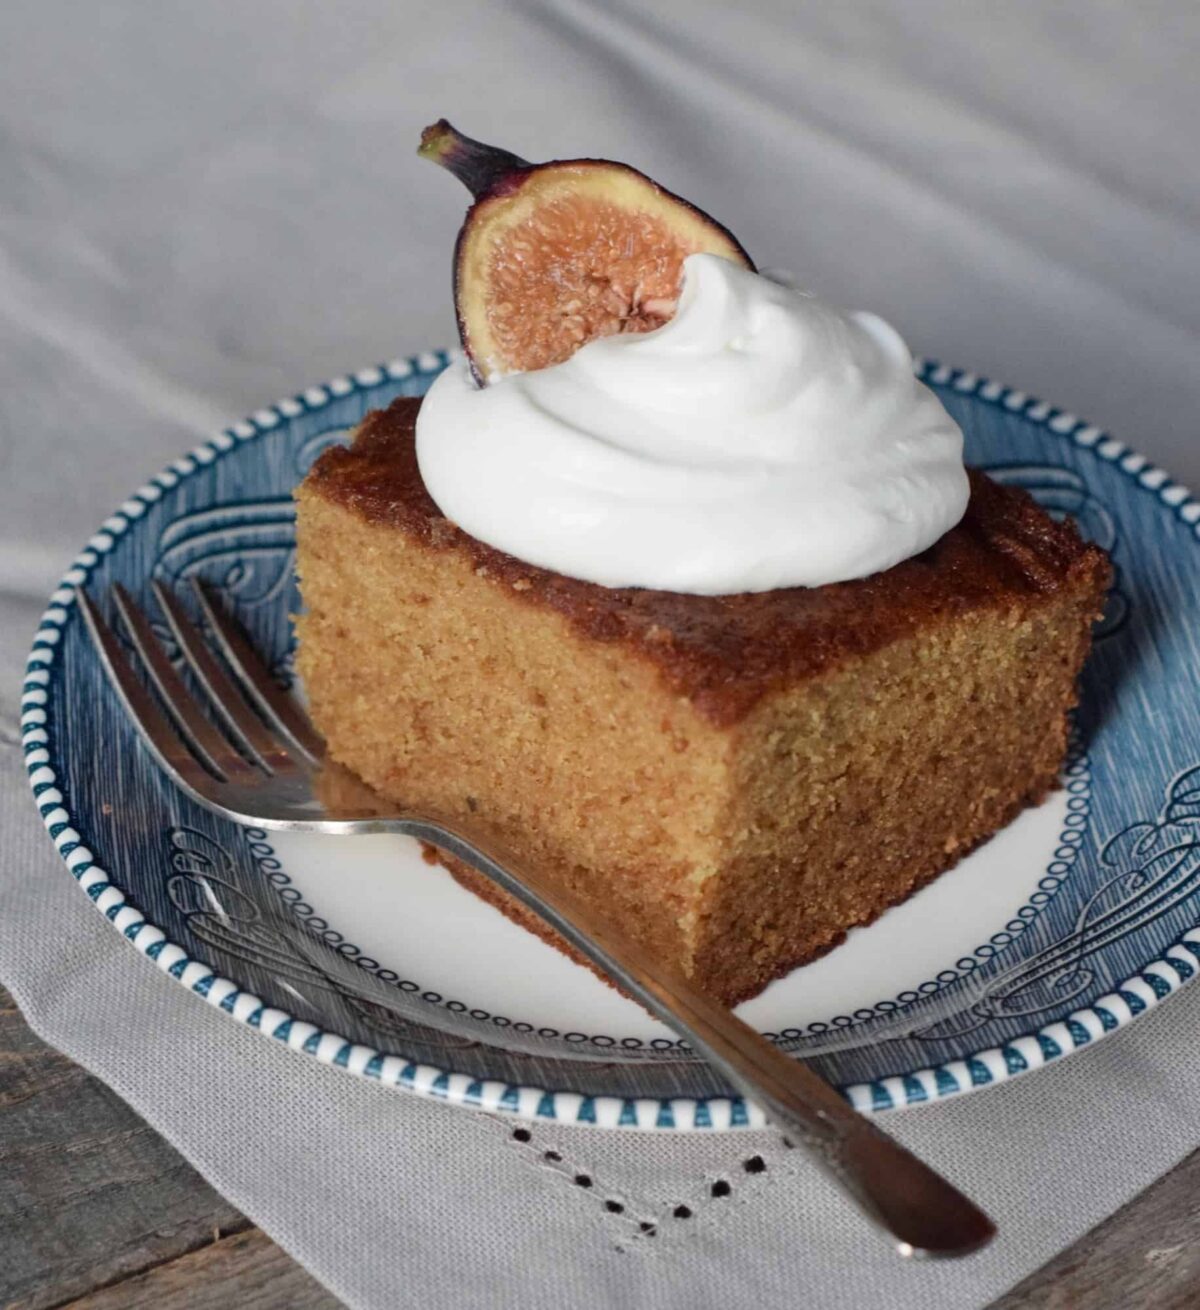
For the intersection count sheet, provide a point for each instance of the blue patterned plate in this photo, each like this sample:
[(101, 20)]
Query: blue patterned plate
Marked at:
[(1070, 923)]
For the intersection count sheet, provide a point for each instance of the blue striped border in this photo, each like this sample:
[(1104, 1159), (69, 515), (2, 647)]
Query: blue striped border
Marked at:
[(1156, 980)]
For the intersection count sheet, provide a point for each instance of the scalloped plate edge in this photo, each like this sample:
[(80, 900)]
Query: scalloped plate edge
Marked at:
[(1157, 979)]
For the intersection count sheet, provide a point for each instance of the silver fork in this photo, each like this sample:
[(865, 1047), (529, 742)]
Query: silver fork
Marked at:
[(262, 771)]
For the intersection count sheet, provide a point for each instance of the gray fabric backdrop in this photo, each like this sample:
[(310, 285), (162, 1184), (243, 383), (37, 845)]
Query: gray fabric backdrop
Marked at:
[(205, 207)]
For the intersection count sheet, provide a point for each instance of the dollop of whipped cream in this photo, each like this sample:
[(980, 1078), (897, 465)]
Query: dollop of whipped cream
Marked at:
[(760, 439)]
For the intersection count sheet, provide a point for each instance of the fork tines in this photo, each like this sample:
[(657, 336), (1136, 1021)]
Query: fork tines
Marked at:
[(264, 731)]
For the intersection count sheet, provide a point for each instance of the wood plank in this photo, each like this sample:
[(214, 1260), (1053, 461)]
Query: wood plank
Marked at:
[(246, 1270), (98, 1212), (1147, 1254), (88, 1193)]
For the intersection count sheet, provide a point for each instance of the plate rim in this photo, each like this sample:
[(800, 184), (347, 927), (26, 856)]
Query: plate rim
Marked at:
[(1153, 982)]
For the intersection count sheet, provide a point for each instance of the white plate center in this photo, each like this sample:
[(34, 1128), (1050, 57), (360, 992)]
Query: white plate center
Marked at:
[(415, 920)]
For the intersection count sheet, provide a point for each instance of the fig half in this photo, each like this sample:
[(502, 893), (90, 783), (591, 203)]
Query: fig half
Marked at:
[(553, 255)]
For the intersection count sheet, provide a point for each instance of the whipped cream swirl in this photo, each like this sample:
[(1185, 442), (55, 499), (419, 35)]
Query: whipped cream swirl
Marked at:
[(760, 439)]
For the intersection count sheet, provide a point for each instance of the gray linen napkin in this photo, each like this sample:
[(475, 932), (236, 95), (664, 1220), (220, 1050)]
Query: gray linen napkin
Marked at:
[(390, 1199)]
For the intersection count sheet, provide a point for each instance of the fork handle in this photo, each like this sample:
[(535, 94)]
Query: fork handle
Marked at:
[(923, 1212)]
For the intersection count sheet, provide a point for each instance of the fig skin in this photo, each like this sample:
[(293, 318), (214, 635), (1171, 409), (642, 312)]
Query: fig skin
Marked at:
[(553, 255)]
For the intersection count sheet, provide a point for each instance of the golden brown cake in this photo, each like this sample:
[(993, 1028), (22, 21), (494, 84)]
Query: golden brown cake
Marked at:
[(737, 779)]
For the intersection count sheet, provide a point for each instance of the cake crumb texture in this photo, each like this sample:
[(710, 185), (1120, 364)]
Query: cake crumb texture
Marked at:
[(737, 780)]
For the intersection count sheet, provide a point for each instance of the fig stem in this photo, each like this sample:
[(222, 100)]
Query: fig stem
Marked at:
[(477, 166)]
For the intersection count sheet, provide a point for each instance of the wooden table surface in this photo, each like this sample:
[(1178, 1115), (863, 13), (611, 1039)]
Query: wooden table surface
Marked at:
[(97, 1212)]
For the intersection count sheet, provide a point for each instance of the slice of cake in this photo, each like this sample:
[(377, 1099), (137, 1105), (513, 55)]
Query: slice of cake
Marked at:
[(737, 779)]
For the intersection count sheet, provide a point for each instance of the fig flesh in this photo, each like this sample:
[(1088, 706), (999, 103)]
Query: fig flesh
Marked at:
[(553, 255)]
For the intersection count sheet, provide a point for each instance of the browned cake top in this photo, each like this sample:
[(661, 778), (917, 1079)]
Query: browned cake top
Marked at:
[(724, 652)]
